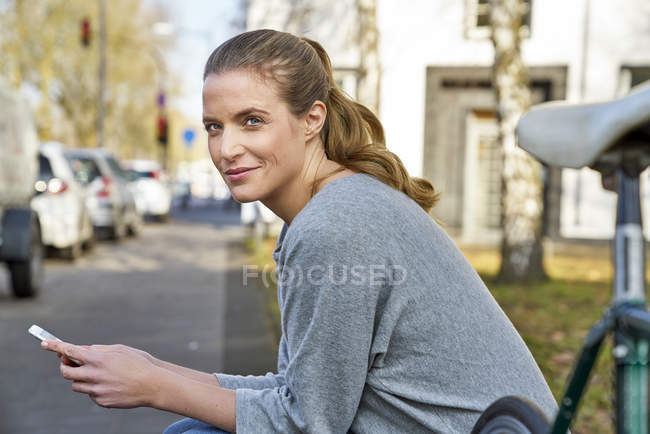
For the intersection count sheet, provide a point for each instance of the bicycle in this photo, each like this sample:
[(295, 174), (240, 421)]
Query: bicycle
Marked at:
[(616, 137)]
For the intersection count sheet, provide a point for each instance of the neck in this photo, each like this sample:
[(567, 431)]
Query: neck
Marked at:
[(289, 201)]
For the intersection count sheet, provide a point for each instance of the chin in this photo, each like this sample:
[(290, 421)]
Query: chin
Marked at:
[(243, 196)]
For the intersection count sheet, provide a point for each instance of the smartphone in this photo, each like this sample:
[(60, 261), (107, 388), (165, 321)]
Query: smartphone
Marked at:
[(42, 335)]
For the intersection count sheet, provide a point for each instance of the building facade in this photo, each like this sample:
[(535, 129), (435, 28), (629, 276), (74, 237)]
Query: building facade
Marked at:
[(438, 105)]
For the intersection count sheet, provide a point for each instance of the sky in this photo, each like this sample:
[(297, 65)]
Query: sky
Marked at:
[(200, 26)]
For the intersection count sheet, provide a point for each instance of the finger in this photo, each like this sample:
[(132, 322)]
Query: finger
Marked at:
[(101, 347), (71, 351), (66, 360), (83, 387), (71, 362), (75, 373), (47, 346)]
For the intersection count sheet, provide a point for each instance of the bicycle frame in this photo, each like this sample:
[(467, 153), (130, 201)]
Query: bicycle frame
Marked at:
[(627, 318)]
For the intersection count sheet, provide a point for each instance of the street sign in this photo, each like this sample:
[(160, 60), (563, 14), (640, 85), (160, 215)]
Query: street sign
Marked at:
[(188, 137), (161, 99)]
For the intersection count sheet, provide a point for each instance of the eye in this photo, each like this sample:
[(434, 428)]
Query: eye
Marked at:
[(213, 127), (253, 121)]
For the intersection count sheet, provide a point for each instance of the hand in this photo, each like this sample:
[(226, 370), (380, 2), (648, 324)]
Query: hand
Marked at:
[(66, 361), (111, 375)]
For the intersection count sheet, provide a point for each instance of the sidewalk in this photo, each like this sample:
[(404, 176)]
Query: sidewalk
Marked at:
[(176, 291), (249, 344)]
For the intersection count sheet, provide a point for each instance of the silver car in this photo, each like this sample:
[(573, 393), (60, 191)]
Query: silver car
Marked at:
[(110, 202), (61, 204)]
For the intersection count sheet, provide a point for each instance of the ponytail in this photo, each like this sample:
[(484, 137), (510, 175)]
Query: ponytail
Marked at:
[(354, 137)]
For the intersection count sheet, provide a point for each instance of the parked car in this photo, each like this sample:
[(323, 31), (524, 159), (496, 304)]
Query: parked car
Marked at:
[(21, 247), (257, 217), (110, 202), (149, 186), (61, 204), (181, 194)]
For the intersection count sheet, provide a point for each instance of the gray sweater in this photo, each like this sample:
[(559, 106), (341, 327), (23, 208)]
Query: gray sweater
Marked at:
[(386, 328)]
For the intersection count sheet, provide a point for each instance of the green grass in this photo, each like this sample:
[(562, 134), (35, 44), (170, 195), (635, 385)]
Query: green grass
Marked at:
[(552, 317), (260, 252)]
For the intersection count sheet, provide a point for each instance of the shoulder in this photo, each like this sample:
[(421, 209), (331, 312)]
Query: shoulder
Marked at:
[(359, 211), (341, 205), (360, 196)]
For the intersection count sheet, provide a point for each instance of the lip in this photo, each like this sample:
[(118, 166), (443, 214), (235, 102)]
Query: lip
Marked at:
[(239, 172)]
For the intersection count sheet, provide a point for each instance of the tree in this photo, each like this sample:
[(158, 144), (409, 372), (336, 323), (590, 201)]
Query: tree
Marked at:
[(368, 86), (521, 199), (356, 31), (298, 16), (41, 49)]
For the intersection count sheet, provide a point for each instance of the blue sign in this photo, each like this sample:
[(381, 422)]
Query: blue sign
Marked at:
[(188, 136), (161, 99)]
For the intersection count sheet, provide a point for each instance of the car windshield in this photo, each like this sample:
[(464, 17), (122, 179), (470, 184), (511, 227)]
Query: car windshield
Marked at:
[(115, 167), (44, 168), (85, 168)]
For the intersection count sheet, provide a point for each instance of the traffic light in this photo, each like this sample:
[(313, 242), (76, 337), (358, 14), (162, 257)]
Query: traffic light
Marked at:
[(161, 129), (85, 32)]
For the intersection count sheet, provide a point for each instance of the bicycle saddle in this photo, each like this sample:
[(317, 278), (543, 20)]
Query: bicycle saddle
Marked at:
[(578, 135)]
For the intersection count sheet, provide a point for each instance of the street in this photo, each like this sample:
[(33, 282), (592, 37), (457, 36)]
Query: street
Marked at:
[(174, 291)]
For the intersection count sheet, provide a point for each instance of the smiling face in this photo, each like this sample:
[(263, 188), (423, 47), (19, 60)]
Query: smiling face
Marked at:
[(250, 127)]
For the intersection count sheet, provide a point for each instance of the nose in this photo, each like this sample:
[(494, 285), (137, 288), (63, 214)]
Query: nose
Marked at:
[(231, 146)]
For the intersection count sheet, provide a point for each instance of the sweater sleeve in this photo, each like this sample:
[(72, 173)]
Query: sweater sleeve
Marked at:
[(257, 382), (328, 314), (267, 381)]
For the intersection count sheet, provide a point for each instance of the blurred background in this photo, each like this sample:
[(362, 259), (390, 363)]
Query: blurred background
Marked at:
[(132, 235)]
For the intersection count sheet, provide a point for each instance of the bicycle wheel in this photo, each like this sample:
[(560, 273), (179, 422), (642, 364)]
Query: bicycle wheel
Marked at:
[(512, 415)]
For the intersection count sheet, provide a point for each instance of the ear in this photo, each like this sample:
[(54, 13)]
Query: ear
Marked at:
[(315, 119)]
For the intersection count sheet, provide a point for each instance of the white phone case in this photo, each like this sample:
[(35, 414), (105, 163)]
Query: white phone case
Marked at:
[(42, 335)]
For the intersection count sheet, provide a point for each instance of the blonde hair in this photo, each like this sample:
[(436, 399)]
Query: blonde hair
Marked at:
[(352, 135)]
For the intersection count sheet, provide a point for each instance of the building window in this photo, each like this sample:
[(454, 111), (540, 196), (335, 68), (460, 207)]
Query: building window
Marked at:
[(482, 178), (631, 76), (347, 79), (477, 19), (482, 17)]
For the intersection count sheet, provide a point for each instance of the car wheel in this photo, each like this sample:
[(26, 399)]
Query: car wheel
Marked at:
[(89, 243), (88, 232), (118, 231), (73, 252), (27, 276), (135, 226)]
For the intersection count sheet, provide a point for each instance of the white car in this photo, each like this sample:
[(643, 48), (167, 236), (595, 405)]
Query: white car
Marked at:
[(149, 186), (109, 199), (60, 203)]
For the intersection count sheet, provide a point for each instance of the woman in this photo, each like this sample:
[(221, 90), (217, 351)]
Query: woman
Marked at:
[(386, 327)]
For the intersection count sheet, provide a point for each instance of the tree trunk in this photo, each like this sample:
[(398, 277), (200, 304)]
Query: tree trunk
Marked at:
[(521, 199), (298, 17), (368, 86), (17, 75)]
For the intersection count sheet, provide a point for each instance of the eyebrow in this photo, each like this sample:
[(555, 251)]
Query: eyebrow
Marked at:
[(239, 114)]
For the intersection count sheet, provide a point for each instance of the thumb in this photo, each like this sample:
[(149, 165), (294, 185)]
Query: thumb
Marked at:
[(71, 351)]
